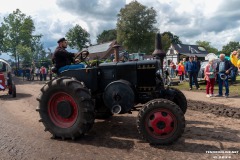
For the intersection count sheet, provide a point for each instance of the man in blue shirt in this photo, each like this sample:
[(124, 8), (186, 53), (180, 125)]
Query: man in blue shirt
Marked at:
[(191, 68), (223, 69)]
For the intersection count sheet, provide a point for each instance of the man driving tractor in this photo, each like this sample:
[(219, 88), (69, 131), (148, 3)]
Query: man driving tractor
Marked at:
[(63, 59)]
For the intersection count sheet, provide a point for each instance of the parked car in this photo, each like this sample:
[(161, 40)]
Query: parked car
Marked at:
[(201, 71)]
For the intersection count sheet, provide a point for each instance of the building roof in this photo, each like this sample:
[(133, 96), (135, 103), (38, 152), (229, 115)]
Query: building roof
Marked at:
[(188, 50), (99, 48), (102, 51)]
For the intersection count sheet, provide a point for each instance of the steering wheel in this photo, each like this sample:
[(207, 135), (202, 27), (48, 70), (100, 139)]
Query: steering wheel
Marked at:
[(82, 55)]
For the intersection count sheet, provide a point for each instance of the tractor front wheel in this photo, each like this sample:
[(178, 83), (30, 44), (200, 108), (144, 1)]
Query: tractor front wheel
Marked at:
[(161, 121)]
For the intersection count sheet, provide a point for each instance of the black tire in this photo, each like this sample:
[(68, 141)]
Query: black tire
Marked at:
[(66, 108), (14, 92), (151, 120), (180, 99)]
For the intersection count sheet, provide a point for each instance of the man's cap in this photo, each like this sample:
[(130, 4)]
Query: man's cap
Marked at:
[(61, 40), (195, 56)]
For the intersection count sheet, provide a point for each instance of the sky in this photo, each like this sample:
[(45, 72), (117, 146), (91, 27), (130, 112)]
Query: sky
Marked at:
[(215, 21)]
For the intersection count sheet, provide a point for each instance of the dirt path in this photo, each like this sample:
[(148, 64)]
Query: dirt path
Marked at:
[(23, 137), (233, 101)]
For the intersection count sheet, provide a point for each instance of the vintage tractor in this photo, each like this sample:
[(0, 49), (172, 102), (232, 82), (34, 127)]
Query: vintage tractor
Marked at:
[(69, 104), (6, 81)]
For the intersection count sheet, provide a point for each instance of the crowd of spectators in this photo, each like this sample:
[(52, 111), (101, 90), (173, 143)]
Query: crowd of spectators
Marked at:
[(34, 73), (220, 71)]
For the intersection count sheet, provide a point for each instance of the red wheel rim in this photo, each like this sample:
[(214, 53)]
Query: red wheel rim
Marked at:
[(160, 123), (53, 112)]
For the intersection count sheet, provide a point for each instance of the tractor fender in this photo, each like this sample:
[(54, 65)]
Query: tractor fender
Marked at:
[(176, 96)]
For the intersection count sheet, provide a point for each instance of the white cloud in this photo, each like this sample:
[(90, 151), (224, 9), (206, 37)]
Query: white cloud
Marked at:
[(216, 21)]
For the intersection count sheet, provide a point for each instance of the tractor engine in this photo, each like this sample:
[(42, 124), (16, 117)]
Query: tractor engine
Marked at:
[(119, 96)]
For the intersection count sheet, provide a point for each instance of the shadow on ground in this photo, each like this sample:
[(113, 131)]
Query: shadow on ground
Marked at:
[(121, 132), (18, 96)]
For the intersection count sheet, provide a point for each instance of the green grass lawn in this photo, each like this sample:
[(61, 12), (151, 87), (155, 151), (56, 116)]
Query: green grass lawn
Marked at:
[(234, 89)]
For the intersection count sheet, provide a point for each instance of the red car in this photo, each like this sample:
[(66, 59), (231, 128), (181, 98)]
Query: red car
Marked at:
[(6, 81)]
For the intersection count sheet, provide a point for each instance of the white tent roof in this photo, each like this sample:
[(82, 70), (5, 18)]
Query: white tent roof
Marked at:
[(211, 56)]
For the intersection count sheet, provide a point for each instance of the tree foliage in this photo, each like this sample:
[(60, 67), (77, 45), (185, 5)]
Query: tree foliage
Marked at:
[(1, 39), (173, 38), (106, 36), (37, 48), (24, 53), (168, 38), (78, 37), (166, 42), (207, 46), (17, 29), (231, 46), (135, 27)]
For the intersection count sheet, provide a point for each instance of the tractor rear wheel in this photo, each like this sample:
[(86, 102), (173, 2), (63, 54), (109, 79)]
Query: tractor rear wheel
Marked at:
[(66, 108), (160, 121)]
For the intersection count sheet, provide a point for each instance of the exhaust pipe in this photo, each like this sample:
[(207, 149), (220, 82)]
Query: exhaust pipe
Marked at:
[(158, 52), (116, 52), (116, 109)]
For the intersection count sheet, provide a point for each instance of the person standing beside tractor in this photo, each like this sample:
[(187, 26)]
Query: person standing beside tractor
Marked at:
[(210, 72), (37, 72), (176, 70), (185, 72), (235, 60), (172, 69), (181, 71), (223, 69), (198, 67), (43, 71), (198, 63), (191, 68), (63, 59)]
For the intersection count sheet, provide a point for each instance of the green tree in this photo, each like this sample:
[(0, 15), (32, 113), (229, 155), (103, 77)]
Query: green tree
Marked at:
[(135, 27), (166, 42), (17, 29), (37, 47), (168, 38), (231, 46), (1, 39), (78, 37), (207, 46), (173, 38), (24, 53), (106, 36)]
